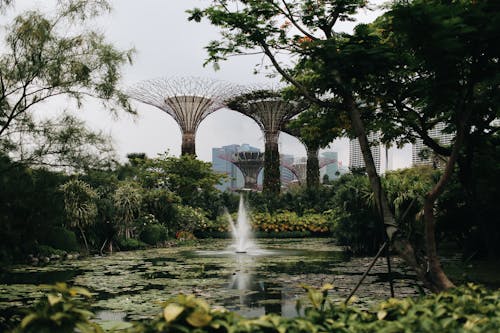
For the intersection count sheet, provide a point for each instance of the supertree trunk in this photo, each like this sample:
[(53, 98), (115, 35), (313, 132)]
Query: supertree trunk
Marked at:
[(272, 181), (250, 182), (188, 144), (312, 172)]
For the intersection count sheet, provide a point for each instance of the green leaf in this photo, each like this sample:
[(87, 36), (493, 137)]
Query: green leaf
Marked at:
[(172, 311), (54, 299), (199, 318), (28, 319), (80, 291), (381, 314)]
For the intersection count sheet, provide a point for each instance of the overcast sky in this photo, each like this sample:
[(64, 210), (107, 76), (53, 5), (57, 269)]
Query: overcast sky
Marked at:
[(168, 45)]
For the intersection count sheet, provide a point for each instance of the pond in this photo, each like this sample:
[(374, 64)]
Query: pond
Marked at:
[(131, 285)]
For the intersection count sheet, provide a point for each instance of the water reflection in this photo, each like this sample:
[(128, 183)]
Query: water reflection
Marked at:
[(255, 295)]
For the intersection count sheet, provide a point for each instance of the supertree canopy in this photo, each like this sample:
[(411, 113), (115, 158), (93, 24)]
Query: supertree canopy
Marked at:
[(271, 112), (250, 164), (188, 100)]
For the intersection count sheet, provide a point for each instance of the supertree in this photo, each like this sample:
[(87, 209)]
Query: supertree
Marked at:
[(188, 100), (312, 151), (308, 127), (271, 112), (250, 164)]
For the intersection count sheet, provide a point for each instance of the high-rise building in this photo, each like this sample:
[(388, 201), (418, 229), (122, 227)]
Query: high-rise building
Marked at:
[(356, 159), (423, 155), (286, 174), (329, 165)]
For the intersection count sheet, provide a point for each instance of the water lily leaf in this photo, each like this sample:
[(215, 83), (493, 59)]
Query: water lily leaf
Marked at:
[(115, 325), (172, 311), (199, 318), (89, 328)]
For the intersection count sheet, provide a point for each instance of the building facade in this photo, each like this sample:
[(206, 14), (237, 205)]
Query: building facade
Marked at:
[(329, 165), (423, 155), (356, 159)]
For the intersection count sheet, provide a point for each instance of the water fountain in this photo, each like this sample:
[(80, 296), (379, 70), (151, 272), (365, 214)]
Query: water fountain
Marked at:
[(241, 230)]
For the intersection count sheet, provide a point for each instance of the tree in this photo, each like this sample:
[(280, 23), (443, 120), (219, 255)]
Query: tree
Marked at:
[(186, 177), (32, 206), (80, 205), (444, 72), (63, 143), (316, 128), (407, 80), (305, 29), (43, 58), (127, 201)]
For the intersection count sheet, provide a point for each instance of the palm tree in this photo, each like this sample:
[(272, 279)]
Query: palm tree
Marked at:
[(127, 200), (80, 205)]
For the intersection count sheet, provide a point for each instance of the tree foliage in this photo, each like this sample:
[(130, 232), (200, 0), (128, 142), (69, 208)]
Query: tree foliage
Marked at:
[(79, 205), (45, 56), (127, 201)]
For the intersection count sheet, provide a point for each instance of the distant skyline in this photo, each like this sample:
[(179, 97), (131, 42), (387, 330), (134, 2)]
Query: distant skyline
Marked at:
[(168, 45)]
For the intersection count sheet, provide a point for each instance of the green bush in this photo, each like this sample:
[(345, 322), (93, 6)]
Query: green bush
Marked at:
[(47, 251), (130, 244), (469, 308), (282, 224), (62, 239), (361, 233), (153, 234), (190, 219), (290, 222)]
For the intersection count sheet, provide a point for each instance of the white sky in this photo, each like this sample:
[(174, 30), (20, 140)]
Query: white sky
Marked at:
[(168, 45)]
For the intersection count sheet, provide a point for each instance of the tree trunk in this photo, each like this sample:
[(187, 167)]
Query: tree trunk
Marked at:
[(400, 244), (312, 172), (272, 181), (188, 144), (436, 272), (84, 239)]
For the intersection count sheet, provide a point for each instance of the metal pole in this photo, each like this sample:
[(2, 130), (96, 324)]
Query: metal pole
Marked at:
[(388, 258), (366, 273)]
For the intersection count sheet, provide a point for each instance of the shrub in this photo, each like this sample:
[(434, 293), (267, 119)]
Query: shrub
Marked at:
[(47, 251), (360, 232), (283, 223), (290, 222), (62, 239), (130, 244), (184, 235), (153, 234), (190, 219)]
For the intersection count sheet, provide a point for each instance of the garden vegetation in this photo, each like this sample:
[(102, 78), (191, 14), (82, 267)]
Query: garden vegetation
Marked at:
[(469, 308)]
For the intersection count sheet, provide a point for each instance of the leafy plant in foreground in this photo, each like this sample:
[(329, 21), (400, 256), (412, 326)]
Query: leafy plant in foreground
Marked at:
[(469, 308), (62, 311)]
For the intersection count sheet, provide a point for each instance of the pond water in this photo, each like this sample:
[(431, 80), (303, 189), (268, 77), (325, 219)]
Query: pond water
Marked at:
[(131, 285)]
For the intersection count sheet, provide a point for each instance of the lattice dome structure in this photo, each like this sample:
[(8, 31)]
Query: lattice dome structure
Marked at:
[(250, 164), (188, 100)]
